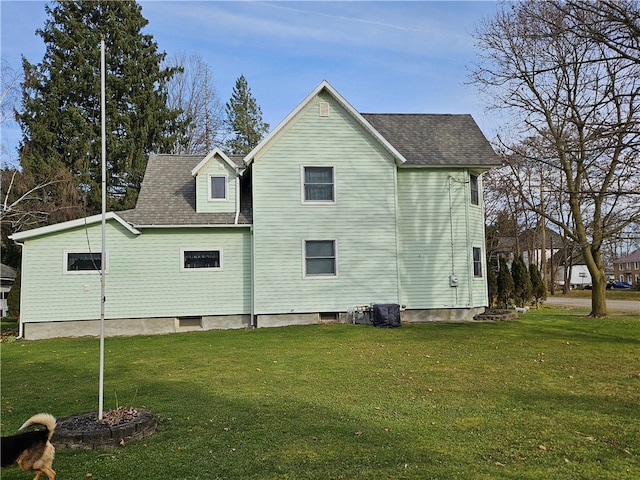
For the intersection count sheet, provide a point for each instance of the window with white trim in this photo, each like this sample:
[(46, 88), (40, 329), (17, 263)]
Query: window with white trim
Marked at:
[(475, 192), (217, 187), (320, 259), (318, 184), (201, 259), (477, 262), (83, 262)]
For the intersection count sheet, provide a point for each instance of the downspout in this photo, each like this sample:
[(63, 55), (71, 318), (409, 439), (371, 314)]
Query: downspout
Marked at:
[(467, 204), (235, 221), (20, 326), (453, 264), (253, 322), (398, 243)]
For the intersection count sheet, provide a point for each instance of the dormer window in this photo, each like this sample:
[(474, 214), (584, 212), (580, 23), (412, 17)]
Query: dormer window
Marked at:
[(217, 187)]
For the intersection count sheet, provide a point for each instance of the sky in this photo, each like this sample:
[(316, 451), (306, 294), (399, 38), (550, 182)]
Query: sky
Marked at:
[(382, 57)]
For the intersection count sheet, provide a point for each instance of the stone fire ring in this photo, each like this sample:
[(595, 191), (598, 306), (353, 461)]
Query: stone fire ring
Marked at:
[(85, 431)]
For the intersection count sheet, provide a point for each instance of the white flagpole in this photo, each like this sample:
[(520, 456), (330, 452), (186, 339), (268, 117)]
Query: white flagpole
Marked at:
[(103, 262)]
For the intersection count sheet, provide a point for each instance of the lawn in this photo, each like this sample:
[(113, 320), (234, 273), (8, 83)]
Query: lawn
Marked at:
[(552, 395)]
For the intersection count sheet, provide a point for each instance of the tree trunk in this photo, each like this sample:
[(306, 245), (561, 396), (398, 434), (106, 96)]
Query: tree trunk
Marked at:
[(599, 282)]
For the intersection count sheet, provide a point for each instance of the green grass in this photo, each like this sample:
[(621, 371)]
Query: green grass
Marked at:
[(552, 395)]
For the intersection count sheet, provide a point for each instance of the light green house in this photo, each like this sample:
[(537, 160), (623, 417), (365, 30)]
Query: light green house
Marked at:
[(333, 211)]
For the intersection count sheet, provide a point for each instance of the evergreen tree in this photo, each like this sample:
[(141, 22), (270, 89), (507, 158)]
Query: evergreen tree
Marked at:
[(244, 118), (521, 282), (61, 108), (492, 288), (13, 298), (505, 285), (539, 291)]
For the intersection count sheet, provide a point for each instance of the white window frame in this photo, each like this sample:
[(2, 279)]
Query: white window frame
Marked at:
[(302, 185), (315, 276), (65, 262), (477, 190), (184, 250), (473, 262), (226, 187)]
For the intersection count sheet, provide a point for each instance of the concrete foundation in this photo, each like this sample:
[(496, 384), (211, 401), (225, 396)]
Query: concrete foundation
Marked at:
[(132, 326), (155, 326), (440, 315)]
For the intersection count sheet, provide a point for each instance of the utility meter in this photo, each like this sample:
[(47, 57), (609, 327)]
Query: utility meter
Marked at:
[(453, 280)]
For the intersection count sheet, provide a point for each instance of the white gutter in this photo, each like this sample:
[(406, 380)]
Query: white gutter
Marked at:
[(192, 225)]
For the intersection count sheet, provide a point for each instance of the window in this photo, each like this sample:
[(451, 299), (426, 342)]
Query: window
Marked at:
[(83, 262), (477, 262), (217, 187), (320, 258), (475, 195), (318, 184), (201, 259)]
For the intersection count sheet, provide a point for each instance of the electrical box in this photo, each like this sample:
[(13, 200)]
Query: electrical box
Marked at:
[(453, 280)]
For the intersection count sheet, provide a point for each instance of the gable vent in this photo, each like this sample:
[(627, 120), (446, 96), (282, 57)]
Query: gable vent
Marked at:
[(323, 109)]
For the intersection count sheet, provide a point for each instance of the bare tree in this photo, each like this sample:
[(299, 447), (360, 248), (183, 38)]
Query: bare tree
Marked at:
[(9, 98), (193, 92), (573, 90)]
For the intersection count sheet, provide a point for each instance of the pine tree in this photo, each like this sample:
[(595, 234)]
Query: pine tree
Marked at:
[(61, 111), (492, 288), (521, 282), (244, 118), (505, 285), (539, 291)]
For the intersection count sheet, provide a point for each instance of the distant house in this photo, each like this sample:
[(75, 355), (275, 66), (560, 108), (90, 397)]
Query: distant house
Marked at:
[(627, 268), (529, 244), (334, 210), (7, 277)]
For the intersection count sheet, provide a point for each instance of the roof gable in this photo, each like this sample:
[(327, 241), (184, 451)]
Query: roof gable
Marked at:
[(289, 119), (211, 157)]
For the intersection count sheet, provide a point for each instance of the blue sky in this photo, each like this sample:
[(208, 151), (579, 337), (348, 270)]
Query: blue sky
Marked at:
[(383, 57)]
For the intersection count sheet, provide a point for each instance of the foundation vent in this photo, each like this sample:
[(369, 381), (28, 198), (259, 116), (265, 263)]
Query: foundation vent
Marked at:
[(323, 109)]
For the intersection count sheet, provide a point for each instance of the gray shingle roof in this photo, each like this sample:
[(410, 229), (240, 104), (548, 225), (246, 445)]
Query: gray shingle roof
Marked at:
[(168, 195), (435, 139)]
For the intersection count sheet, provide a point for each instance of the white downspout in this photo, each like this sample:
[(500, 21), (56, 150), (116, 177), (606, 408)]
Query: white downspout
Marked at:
[(237, 196), (20, 326), (253, 321)]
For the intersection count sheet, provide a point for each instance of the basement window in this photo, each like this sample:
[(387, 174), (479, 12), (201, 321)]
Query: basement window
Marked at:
[(190, 322)]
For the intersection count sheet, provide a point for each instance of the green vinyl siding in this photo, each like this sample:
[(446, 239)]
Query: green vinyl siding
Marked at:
[(144, 276), (216, 166), (361, 220), (438, 227)]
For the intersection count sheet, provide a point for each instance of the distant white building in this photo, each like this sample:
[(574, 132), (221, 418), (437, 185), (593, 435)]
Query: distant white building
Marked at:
[(7, 277), (580, 276)]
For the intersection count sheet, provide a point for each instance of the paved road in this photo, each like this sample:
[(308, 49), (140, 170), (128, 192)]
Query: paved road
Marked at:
[(631, 306)]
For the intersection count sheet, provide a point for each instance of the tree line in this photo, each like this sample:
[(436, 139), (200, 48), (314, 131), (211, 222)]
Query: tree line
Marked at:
[(516, 285), (153, 105)]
